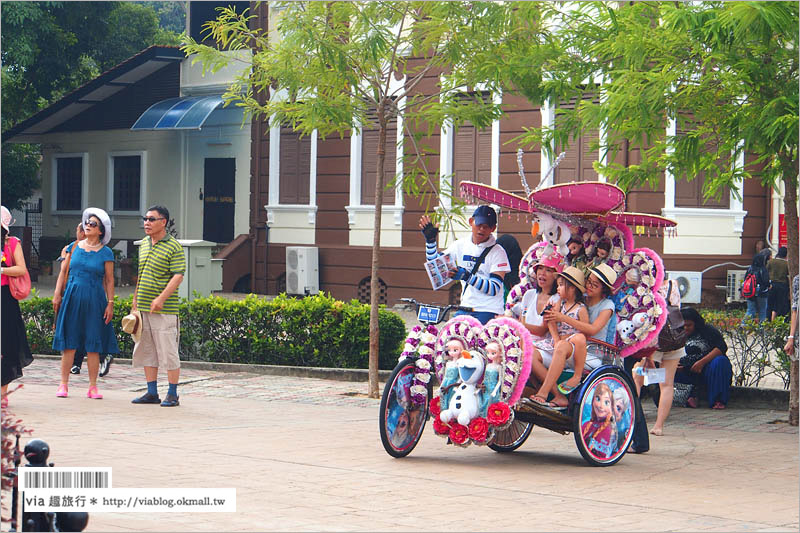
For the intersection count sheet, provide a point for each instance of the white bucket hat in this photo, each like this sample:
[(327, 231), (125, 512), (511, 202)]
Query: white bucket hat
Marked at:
[(104, 218), (5, 217)]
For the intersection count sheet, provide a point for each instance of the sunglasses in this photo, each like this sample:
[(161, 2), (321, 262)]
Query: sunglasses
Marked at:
[(90, 223), (151, 219)]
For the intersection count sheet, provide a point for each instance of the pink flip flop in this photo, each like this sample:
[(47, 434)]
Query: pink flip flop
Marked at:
[(93, 394), (62, 391)]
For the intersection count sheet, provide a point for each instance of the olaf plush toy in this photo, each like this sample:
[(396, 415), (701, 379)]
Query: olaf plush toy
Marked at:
[(555, 235), (466, 401), (626, 328)]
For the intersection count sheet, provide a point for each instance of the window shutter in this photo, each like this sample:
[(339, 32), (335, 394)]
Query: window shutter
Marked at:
[(690, 193), (295, 165), (127, 182), (69, 183)]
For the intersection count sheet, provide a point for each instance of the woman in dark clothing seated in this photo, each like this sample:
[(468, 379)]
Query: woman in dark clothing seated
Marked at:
[(705, 361)]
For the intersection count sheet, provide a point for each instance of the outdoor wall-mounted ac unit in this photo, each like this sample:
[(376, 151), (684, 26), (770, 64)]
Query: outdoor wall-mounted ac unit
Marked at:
[(733, 291), (690, 285), (302, 270)]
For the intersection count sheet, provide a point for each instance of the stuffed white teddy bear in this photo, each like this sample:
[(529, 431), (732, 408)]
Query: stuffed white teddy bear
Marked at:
[(555, 235)]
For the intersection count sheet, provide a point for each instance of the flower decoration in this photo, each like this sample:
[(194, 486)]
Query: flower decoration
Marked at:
[(498, 414), (458, 433), (440, 428), (479, 429), (420, 346), (436, 407)]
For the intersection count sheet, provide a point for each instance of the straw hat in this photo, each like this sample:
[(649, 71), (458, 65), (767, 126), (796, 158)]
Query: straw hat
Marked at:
[(605, 273), (132, 324), (575, 276), (103, 217)]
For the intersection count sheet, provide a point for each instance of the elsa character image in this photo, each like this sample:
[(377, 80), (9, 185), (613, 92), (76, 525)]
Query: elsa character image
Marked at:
[(453, 350), (622, 415), (491, 377), (600, 432)]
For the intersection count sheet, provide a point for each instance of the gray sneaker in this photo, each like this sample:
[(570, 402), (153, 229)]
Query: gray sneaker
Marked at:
[(147, 398)]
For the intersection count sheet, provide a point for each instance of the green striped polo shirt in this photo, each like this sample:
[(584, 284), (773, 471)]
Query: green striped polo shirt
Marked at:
[(157, 264)]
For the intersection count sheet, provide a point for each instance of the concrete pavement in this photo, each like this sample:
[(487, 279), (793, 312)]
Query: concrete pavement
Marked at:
[(305, 455)]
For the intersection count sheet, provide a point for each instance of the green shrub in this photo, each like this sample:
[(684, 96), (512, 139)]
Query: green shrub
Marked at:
[(312, 331), (754, 348)]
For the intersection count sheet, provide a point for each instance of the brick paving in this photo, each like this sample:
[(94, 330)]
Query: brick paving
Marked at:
[(305, 455)]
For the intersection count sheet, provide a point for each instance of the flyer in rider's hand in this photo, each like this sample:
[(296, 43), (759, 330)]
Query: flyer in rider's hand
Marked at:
[(438, 269)]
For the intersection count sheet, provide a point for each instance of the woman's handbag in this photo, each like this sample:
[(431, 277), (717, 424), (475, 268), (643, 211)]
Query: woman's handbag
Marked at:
[(20, 286), (673, 335)]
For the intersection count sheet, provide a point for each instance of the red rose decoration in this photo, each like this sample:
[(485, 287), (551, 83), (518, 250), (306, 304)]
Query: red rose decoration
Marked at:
[(458, 433), (498, 413), (478, 429), (436, 406), (440, 427)]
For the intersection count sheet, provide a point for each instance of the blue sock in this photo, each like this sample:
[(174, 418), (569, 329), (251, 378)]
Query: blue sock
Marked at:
[(152, 388), (173, 389)]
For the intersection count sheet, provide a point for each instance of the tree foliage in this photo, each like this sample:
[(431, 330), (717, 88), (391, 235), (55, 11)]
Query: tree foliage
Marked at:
[(329, 67), (51, 48)]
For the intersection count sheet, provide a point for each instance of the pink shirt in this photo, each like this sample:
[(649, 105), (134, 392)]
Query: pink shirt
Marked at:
[(8, 252)]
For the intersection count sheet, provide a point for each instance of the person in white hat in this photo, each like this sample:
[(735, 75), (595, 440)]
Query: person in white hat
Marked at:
[(85, 311), (105, 359), (15, 349)]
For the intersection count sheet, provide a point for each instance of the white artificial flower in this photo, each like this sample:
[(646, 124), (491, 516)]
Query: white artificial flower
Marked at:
[(424, 364)]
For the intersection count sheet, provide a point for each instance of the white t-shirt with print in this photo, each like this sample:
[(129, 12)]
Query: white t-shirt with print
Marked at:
[(466, 253)]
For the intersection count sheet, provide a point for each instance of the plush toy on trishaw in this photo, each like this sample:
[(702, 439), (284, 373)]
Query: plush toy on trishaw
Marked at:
[(470, 378)]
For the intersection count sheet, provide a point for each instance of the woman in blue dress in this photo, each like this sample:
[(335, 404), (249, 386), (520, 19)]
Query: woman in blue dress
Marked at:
[(85, 311)]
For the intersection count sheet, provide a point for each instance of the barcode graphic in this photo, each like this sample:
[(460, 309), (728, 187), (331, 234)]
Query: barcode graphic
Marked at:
[(51, 479)]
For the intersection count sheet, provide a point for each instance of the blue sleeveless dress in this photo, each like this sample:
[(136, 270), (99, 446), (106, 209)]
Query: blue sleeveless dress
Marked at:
[(80, 324)]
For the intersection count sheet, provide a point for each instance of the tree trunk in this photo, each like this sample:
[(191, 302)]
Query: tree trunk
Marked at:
[(790, 171), (374, 287)]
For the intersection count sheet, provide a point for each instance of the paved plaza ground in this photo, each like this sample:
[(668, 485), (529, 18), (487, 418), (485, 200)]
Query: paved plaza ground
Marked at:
[(305, 455)]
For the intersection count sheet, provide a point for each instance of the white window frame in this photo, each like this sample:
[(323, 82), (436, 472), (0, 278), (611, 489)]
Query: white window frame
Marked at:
[(446, 151), (356, 205), (274, 205), (84, 183), (142, 183), (735, 210)]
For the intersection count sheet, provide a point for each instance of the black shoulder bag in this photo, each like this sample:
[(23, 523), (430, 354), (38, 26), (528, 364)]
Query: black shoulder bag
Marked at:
[(673, 335), (476, 266)]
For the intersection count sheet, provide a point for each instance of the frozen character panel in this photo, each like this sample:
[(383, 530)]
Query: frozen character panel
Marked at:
[(598, 422), (403, 418)]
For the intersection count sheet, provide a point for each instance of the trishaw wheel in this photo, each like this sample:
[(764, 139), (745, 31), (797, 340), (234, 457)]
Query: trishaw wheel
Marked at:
[(604, 416), (401, 420), (512, 437)]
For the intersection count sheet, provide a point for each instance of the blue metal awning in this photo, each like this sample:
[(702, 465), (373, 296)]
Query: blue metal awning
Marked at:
[(184, 113)]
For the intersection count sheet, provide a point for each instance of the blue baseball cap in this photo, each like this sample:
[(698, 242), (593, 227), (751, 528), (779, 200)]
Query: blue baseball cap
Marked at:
[(484, 215)]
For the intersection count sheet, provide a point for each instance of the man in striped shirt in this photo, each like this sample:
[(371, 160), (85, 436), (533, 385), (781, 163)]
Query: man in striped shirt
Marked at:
[(161, 268), (482, 288)]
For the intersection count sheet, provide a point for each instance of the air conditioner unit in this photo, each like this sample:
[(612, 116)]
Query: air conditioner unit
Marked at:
[(690, 285), (302, 270), (733, 291)]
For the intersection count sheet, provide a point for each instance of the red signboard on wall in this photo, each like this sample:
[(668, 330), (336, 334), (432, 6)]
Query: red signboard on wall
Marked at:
[(782, 238)]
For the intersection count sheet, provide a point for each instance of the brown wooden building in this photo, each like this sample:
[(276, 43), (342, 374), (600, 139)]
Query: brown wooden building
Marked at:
[(315, 192)]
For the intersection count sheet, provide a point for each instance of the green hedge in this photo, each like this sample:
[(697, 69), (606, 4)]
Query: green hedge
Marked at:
[(312, 331), (754, 348)]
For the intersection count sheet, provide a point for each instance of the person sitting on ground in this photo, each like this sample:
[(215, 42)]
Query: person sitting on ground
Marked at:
[(483, 289), (576, 256), (584, 354), (706, 360)]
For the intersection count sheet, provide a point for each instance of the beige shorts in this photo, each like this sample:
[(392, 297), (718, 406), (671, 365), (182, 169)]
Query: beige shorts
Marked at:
[(158, 345), (657, 356)]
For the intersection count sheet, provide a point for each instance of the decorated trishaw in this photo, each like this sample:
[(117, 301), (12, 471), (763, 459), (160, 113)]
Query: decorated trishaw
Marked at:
[(470, 378)]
